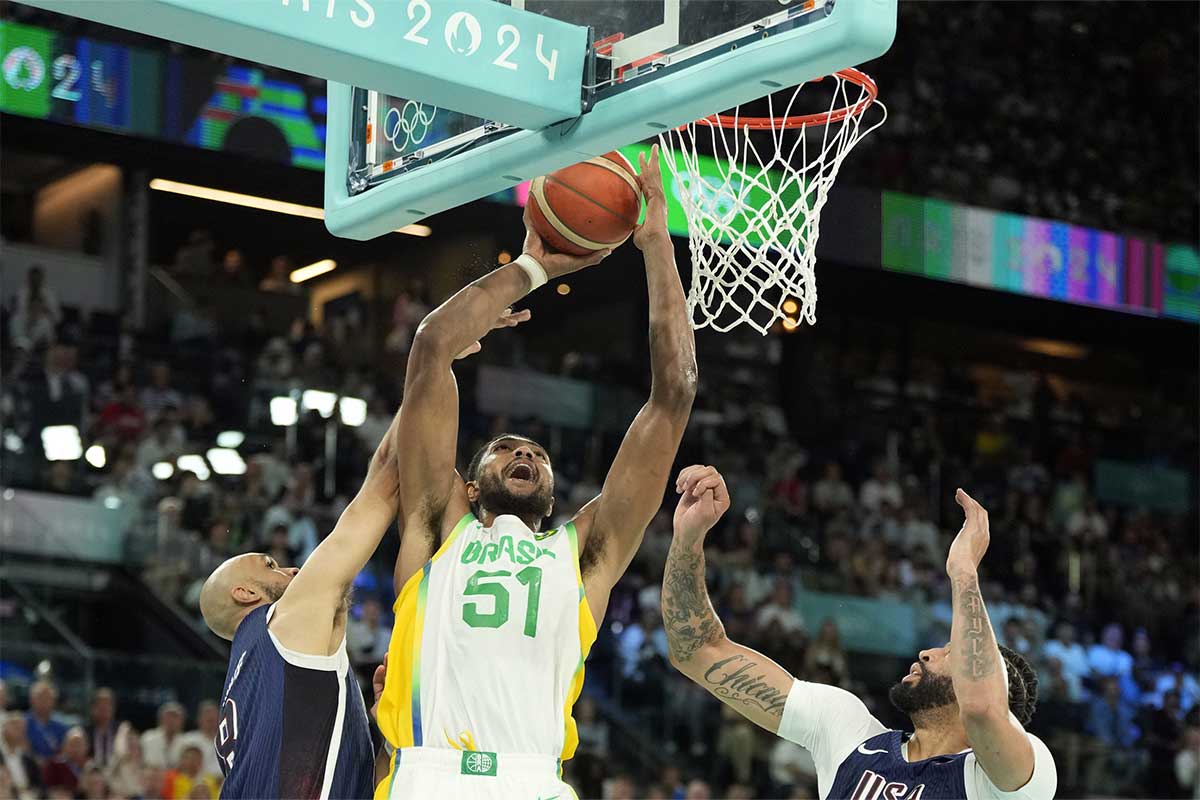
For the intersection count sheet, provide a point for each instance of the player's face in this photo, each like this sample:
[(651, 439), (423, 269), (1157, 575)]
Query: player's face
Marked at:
[(269, 577), (927, 685), (515, 477)]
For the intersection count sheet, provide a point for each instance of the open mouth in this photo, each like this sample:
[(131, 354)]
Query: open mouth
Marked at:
[(913, 673), (522, 471)]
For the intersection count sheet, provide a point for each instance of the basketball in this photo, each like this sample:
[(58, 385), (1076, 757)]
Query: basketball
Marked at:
[(593, 205)]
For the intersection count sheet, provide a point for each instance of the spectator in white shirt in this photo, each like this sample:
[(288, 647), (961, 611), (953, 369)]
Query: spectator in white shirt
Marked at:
[(780, 609), (881, 487), (1088, 523), (367, 638), (832, 493), (16, 756), (1070, 654), (918, 533), (162, 746), (208, 718)]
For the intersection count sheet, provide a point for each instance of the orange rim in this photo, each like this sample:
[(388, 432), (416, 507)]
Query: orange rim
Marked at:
[(773, 123)]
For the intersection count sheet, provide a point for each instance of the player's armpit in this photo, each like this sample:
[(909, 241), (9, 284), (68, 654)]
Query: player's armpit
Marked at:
[(744, 679)]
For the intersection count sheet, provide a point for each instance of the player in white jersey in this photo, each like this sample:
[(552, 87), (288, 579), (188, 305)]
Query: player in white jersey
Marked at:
[(495, 617), (968, 701)]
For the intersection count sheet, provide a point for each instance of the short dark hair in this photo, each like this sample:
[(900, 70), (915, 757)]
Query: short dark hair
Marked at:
[(1022, 685)]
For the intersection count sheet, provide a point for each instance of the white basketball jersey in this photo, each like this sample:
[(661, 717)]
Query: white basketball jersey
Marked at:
[(489, 642)]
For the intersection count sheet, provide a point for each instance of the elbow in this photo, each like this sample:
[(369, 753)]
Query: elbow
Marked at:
[(433, 341), (676, 392)]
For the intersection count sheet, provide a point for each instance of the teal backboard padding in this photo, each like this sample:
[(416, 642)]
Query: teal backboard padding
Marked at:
[(856, 31), (475, 56)]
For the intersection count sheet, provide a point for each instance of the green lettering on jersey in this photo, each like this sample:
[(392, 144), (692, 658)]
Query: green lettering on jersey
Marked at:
[(526, 551), (490, 551), (506, 547), (472, 552)]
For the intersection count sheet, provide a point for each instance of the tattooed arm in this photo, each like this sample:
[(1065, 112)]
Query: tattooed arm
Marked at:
[(747, 681), (977, 668)]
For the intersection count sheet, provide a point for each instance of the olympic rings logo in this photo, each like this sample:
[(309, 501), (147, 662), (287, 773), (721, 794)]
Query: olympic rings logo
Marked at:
[(410, 125)]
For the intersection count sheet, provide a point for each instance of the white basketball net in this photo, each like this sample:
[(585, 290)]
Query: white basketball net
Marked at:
[(753, 227)]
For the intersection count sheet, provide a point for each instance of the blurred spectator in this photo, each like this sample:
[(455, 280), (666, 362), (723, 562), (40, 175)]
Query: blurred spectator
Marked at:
[(1163, 734), (367, 638), (790, 765), (1106, 658), (698, 790), (825, 656), (1177, 680), (208, 719), (195, 258), (592, 755), (183, 782), (160, 395), (57, 393), (43, 730), (1111, 723), (407, 313), (162, 745), (126, 768), (93, 786), (36, 291), (832, 493), (121, 419), (165, 443), (233, 269), (278, 279), (67, 769), (1072, 658), (781, 610), (1187, 763), (102, 728), (23, 770), (881, 488)]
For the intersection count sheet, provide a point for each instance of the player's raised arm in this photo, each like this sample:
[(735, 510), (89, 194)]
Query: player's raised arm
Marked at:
[(749, 682), (429, 429), (977, 668), (305, 617), (633, 490)]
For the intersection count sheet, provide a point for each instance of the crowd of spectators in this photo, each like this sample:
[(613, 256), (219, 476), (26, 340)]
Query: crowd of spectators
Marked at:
[(1075, 111), (860, 508), (95, 755)]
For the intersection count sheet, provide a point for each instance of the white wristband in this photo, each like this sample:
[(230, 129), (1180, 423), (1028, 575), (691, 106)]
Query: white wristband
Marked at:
[(535, 271)]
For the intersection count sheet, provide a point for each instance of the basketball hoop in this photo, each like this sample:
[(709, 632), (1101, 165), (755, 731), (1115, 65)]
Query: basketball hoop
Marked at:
[(753, 222)]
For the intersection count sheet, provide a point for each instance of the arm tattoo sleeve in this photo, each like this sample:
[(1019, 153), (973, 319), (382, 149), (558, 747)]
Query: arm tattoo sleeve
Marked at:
[(740, 680), (688, 614), (978, 645)]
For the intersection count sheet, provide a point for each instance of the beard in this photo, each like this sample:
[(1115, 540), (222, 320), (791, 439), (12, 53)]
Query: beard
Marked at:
[(272, 591), (930, 692), (495, 497)]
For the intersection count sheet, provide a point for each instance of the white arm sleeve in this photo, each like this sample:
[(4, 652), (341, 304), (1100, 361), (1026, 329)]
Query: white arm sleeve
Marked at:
[(828, 722), (1041, 785)]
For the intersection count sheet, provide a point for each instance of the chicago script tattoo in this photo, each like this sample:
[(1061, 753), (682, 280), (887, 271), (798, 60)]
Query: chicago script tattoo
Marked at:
[(741, 680)]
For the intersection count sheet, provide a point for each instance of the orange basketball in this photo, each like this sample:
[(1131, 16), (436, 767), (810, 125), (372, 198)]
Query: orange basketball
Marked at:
[(593, 205)]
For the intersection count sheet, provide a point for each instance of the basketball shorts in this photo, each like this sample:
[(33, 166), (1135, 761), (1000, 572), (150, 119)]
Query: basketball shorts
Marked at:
[(442, 774)]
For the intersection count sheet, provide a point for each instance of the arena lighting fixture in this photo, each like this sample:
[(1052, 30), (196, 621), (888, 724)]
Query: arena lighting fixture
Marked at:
[(96, 456), (313, 270), (62, 443), (1055, 349), (194, 464), (225, 461), (790, 306), (353, 411), (790, 324), (321, 402), (230, 439), (163, 470), (564, 289), (13, 443), (283, 411), (260, 203)]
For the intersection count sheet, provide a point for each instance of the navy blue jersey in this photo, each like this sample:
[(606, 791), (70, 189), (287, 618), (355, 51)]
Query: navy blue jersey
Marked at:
[(876, 770), (292, 725)]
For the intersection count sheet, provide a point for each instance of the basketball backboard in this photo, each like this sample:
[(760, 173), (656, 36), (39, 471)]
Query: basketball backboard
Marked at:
[(651, 65)]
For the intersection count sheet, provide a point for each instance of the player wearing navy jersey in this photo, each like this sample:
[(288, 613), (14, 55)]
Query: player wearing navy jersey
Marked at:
[(967, 700), (293, 722)]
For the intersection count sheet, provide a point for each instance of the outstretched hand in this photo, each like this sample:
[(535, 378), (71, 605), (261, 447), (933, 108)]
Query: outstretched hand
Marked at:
[(509, 319), (650, 181), (969, 546), (555, 263), (377, 683), (703, 500)]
